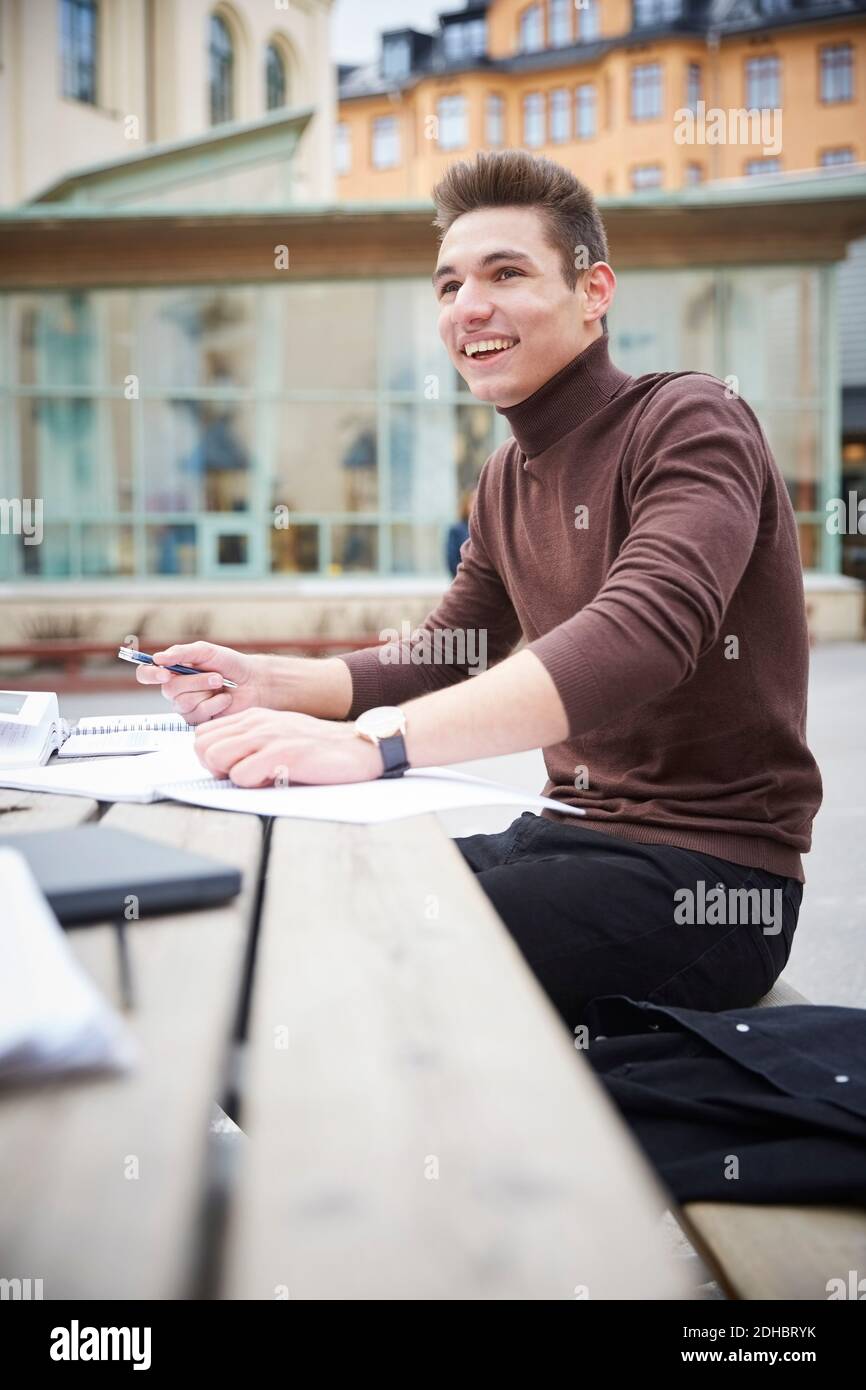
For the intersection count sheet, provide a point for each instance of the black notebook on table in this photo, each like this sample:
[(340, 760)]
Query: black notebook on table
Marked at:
[(94, 873)]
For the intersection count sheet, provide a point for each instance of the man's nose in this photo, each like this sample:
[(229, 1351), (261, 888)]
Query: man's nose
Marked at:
[(470, 304)]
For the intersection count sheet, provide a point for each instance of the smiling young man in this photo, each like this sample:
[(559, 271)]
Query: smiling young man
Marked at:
[(638, 535)]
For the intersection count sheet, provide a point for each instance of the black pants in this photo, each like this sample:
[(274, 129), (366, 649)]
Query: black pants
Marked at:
[(595, 914)]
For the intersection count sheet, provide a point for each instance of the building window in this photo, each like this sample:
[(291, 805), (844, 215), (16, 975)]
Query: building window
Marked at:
[(646, 176), (646, 91), (533, 119), (275, 78), (694, 173), (531, 29), (843, 155), (559, 23), (452, 42), (386, 142), (584, 110), (560, 115), (451, 112), (78, 49), (464, 40), (494, 119), (763, 166), (589, 24), (837, 72), (396, 58), (221, 71), (762, 82), (343, 148), (693, 86), (648, 12)]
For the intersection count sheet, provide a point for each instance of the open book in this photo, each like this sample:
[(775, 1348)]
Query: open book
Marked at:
[(31, 729)]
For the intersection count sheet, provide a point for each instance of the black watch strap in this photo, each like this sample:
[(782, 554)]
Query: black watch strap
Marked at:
[(393, 750)]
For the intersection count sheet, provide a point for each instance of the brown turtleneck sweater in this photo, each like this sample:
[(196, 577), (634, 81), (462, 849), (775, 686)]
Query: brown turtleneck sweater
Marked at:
[(638, 533)]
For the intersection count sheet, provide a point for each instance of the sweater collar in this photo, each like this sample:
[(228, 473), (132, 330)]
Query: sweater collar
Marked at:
[(565, 400)]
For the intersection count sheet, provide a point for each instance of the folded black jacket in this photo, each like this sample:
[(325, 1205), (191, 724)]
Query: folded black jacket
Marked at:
[(781, 1090)]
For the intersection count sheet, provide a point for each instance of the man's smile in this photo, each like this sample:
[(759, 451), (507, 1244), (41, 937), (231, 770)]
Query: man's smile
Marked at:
[(481, 350)]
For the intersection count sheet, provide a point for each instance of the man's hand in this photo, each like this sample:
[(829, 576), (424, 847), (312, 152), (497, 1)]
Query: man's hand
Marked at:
[(203, 697), (263, 747)]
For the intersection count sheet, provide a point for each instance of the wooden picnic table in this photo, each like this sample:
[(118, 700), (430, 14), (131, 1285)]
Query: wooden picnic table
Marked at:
[(415, 1120)]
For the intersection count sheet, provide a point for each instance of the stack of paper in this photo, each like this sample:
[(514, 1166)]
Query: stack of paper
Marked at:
[(52, 1018)]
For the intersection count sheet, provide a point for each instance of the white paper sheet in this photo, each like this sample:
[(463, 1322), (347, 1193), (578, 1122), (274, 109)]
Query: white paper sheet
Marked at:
[(137, 777), (175, 773), (416, 792)]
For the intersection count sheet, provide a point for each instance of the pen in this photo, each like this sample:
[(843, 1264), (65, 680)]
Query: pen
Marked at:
[(143, 658)]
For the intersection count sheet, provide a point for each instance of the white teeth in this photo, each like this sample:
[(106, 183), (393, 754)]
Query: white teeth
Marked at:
[(488, 345)]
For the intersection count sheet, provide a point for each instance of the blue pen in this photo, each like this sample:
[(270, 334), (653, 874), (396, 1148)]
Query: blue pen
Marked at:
[(144, 659)]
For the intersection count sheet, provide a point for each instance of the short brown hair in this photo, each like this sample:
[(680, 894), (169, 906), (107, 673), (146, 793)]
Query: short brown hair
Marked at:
[(516, 178)]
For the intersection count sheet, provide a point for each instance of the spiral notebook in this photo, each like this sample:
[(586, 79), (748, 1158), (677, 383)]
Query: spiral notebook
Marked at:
[(95, 737), (31, 729)]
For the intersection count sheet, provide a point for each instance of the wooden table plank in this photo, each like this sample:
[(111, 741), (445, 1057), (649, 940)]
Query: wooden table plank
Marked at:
[(71, 1214), (417, 1042), (779, 1252), (38, 811)]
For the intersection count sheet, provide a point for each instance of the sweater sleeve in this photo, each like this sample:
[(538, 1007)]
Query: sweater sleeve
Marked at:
[(694, 495), (475, 622)]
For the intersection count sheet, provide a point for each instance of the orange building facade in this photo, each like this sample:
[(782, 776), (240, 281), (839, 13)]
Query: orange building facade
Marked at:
[(643, 101)]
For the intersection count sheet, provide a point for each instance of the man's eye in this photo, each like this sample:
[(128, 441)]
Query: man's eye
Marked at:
[(506, 270)]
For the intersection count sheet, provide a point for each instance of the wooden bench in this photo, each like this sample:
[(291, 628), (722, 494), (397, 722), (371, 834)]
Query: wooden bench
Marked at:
[(776, 1252)]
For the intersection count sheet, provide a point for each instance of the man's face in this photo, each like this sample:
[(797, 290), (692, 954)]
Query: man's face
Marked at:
[(521, 298)]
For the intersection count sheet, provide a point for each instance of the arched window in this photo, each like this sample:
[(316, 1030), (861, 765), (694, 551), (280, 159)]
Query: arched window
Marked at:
[(275, 77), (78, 48), (221, 71)]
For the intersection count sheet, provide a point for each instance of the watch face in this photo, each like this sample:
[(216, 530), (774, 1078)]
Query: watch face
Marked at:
[(383, 721)]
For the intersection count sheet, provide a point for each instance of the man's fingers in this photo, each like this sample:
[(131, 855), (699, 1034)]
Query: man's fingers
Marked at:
[(174, 686), (150, 675), (186, 654), (190, 700), (221, 754), (255, 770), (209, 707), (240, 722)]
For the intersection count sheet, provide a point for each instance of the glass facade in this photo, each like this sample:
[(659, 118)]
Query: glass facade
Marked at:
[(321, 429), (765, 332), (202, 432)]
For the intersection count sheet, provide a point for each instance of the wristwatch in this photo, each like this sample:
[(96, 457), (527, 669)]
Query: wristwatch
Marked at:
[(385, 726)]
